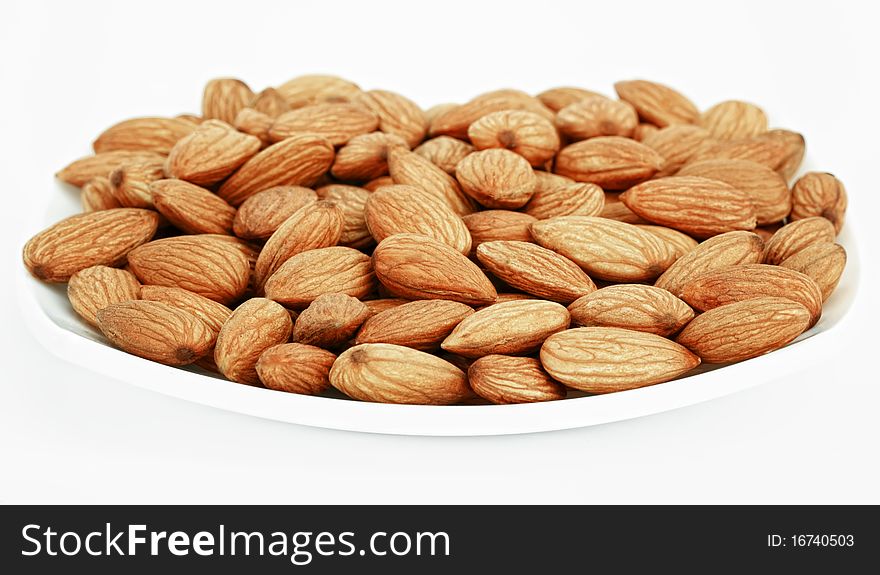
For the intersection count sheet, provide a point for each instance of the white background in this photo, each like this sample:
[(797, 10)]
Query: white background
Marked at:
[(71, 69)]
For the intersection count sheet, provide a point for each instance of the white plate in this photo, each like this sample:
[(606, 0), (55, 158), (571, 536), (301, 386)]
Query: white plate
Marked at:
[(50, 317)]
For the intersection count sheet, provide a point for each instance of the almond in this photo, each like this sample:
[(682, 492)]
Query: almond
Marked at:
[(531, 136), (400, 209), (261, 214), (767, 189), (796, 236), (438, 109), (315, 225), (308, 275), (766, 232), (644, 130), (255, 124), (296, 368), (677, 144), (444, 152), (492, 225), (144, 134), (92, 289), (352, 200), (155, 331), (296, 161), (599, 116), (744, 329), (224, 98), (100, 165), (254, 326), (330, 321), (677, 242), (315, 88), (389, 373), (365, 157), (131, 183), (496, 178), (97, 195), (377, 183), (86, 240), (730, 249), (377, 306), (192, 209), (734, 119), (793, 148), (211, 313), (210, 153), (823, 262), (562, 96), (632, 306), (618, 211), (535, 270), (722, 286), (656, 103), (201, 264), (270, 102), (612, 162), (504, 379), (338, 123), (779, 150), (512, 327), (398, 115), (418, 267), (456, 121), (697, 206), (570, 199), (819, 194), (411, 169), (420, 324), (610, 359), (606, 249)]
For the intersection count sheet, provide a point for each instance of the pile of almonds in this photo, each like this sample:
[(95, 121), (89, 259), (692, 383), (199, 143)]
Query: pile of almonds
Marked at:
[(509, 249)]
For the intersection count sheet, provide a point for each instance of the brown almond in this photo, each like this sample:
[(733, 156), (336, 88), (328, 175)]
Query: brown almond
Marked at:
[(365, 157), (97, 195), (330, 320), (678, 243), (656, 103), (338, 123), (92, 289), (210, 153), (255, 326), (734, 119), (317, 88), (819, 194), (617, 210), (398, 115), (377, 183), (562, 96), (352, 201), (535, 270), (192, 209), (85, 240), (444, 152), (310, 274), (144, 134), (270, 102), (506, 379), (131, 183), (255, 124), (409, 168), (377, 306), (644, 130), (493, 225), (599, 116), (632, 306), (677, 144), (261, 214), (296, 368), (513, 327), (610, 359), (779, 150), (456, 121), (83, 170), (744, 329), (823, 262), (611, 162), (796, 236), (224, 98), (496, 178), (420, 324), (575, 199), (525, 133), (211, 313)]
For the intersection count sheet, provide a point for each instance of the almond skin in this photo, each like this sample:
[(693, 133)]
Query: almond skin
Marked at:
[(297, 161), (192, 209), (562, 96), (254, 123), (409, 168), (145, 134), (270, 102), (224, 98), (493, 225), (605, 249), (338, 123), (796, 236), (779, 150), (767, 189), (155, 331), (697, 206), (204, 265), (737, 283), (86, 240), (313, 273), (597, 116), (261, 214), (512, 327), (632, 306), (525, 133), (819, 194), (131, 183), (387, 373), (610, 359), (656, 103), (505, 379), (677, 144), (212, 314), (79, 172), (574, 199), (365, 157), (210, 153), (398, 116), (734, 119), (535, 270), (296, 368), (97, 195), (823, 262), (418, 267), (254, 326), (730, 249), (400, 209), (496, 178), (352, 200), (94, 288), (678, 243), (316, 88), (612, 162), (444, 152), (315, 225), (420, 324), (377, 306), (744, 329), (330, 321), (456, 121)]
